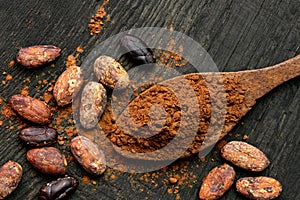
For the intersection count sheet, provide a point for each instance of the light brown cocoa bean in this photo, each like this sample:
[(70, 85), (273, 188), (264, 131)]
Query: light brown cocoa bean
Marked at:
[(68, 85), (10, 177), (217, 182), (111, 73), (245, 156), (47, 160), (93, 102), (89, 155), (31, 109), (38, 55), (262, 188)]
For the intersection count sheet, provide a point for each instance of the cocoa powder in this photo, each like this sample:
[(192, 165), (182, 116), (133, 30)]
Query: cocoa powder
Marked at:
[(157, 94)]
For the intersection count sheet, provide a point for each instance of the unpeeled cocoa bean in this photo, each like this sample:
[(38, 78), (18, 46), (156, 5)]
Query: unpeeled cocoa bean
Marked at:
[(38, 136), (31, 109), (110, 73), (261, 188), (58, 189), (68, 85), (93, 102), (89, 155), (245, 156), (217, 182), (47, 160), (10, 177), (35, 56)]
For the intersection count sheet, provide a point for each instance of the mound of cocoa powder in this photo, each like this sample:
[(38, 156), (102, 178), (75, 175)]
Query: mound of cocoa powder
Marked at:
[(136, 140)]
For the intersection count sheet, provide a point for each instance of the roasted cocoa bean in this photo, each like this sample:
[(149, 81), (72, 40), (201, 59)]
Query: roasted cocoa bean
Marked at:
[(38, 136), (38, 55), (89, 155), (10, 177), (217, 182), (262, 188), (47, 160), (93, 102), (137, 49), (68, 85), (110, 73), (31, 109), (58, 189), (245, 156)]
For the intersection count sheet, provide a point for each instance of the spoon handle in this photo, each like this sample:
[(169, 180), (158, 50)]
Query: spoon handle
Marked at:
[(260, 81)]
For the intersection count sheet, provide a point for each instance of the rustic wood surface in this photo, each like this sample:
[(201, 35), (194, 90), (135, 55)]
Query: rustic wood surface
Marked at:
[(239, 35)]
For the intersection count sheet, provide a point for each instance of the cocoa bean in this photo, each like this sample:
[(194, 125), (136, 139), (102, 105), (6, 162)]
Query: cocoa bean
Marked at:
[(38, 136), (35, 56), (262, 188), (245, 156), (110, 72), (68, 85), (31, 109), (58, 189), (89, 155), (217, 182), (47, 160), (10, 177), (93, 102)]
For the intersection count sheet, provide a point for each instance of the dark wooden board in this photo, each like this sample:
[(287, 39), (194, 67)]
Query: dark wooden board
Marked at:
[(239, 35)]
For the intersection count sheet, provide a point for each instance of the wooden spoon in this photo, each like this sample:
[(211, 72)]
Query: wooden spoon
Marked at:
[(216, 104)]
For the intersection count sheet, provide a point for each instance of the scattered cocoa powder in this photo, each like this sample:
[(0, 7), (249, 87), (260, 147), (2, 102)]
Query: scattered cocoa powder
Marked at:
[(11, 63), (8, 112), (9, 77), (85, 179), (96, 21), (24, 91)]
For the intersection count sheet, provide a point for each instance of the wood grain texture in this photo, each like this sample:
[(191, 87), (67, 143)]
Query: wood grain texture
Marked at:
[(239, 35)]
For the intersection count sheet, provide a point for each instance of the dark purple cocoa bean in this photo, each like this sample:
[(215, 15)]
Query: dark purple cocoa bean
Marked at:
[(58, 189), (38, 136), (137, 49)]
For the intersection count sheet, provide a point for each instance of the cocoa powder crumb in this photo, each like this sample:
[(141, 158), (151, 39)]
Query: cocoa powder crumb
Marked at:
[(24, 91), (173, 180), (9, 77), (96, 21), (11, 63), (85, 180), (245, 137), (112, 177)]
